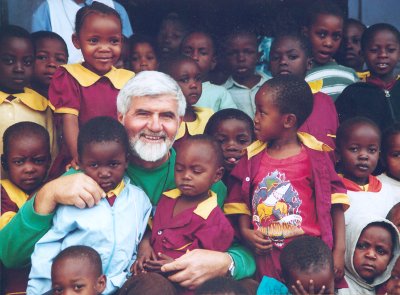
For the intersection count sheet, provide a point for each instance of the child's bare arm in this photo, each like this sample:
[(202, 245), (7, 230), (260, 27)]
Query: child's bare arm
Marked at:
[(339, 246), (70, 133), (145, 252), (258, 241)]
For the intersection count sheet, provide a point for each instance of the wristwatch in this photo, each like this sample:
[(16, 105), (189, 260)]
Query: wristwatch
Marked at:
[(231, 268)]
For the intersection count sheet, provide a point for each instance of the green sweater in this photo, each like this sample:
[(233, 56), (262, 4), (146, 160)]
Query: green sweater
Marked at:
[(156, 181), (19, 236)]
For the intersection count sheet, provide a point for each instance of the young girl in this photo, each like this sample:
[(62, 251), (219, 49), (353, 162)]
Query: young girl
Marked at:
[(188, 217), (17, 102), (142, 54), (186, 72), (325, 29), (372, 248), (234, 131), (390, 156), (26, 159), (357, 150), (50, 53), (379, 98), (200, 46), (80, 92)]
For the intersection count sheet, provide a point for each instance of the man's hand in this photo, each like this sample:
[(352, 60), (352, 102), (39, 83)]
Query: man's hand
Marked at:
[(197, 266), (258, 241), (77, 189)]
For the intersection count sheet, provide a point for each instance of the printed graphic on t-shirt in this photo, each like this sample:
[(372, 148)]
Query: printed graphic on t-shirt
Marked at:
[(276, 208)]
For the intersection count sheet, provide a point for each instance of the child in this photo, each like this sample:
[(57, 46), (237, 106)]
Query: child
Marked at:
[(50, 53), (114, 226), (172, 30), (349, 53), (142, 54), (324, 29), (392, 286), (78, 269), (394, 215), (357, 151), (241, 50), (289, 186), (200, 46), (307, 265), (234, 131), (372, 248), (390, 156), (290, 54), (186, 73), (17, 102), (221, 285), (188, 217), (378, 99), (26, 159), (76, 88)]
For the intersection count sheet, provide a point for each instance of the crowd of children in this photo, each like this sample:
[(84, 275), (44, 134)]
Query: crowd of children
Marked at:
[(302, 167)]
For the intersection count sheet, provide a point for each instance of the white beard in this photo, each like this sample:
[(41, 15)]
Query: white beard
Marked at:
[(147, 151)]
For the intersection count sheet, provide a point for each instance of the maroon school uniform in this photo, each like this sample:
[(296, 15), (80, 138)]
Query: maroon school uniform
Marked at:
[(202, 227)]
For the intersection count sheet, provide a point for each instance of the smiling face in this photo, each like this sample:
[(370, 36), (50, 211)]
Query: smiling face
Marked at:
[(50, 54), (322, 277), (100, 40), (187, 74), (16, 64), (373, 252), (76, 276), (358, 152), (27, 162), (325, 35), (233, 136), (381, 54), (143, 58), (105, 162), (196, 168), (288, 58)]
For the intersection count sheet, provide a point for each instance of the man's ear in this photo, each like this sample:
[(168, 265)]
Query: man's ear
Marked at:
[(219, 173), (120, 118), (290, 120), (101, 284), (75, 41)]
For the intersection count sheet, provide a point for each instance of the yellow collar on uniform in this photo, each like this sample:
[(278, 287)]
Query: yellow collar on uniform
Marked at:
[(307, 139), (117, 190), (86, 78), (316, 85), (15, 194), (30, 98), (198, 125), (204, 208)]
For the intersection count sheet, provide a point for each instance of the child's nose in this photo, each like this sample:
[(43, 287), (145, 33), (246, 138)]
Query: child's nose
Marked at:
[(328, 42)]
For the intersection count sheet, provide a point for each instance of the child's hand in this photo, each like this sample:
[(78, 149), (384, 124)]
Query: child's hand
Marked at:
[(257, 240), (72, 164), (155, 265), (338, 264), (145, 252), (298, 289)]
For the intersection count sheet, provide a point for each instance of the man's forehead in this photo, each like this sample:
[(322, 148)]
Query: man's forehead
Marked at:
[(159, 104)]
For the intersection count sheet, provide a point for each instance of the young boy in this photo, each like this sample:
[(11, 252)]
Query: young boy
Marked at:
[(241, 50), (325, 29), (78, 269), (114, 227), (200, 46), (286, 185), (394, 215)]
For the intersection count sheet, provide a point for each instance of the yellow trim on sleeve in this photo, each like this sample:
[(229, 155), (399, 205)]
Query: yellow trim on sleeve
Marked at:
[(6, 218), (341, 199), (316, 85), (184, 246), (236, 208), (65, 110), (331, 135), (15, 194)]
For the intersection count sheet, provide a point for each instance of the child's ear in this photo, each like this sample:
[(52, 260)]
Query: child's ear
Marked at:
[(309, 63), (4, 162), (75, 41), (290, 121), (101, 284), (213, 62), (219, 173)]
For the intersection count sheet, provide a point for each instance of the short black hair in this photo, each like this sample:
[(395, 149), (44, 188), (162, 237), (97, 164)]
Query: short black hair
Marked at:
[(206, 33), (305, 43), (40, 35), (370, 32), (167, 65), (140, 39), (356, 22), (306, 254), (387, 135), (11, 31), (102, 129), (94, 8), (341, 132), (240, 31), (207, 139), (292, 95), (390, 214), (86, 253), (220, 285), (179, 18), (25, 129), (327, 7), (227, 114)]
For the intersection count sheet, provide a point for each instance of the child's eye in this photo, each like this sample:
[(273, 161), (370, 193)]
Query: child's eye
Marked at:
[(114, 41), (197, 171), (57, 290), (184, 80), (337, 37), (93, 40), (243, 141), (150, 57), (8, 60), (114, 164), (18, 162), (61, 60), (391, 50), (361, 246), (381, 251), (78, 287), (28, 61), (373, 150), (353, 149), (293, 57), (39, 161), (93, 165), (373, 50), (41, 57), (321, 34), (187, 51), (274, 57)]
